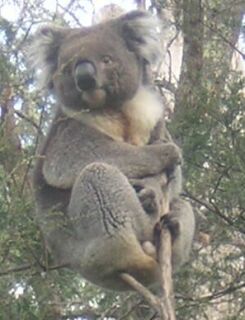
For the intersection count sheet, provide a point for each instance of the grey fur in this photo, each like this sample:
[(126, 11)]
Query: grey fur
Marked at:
[(43, 50), (99, 141)]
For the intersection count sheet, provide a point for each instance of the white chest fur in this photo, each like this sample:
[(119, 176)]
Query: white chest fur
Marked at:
[(143, 113), (133, 124)]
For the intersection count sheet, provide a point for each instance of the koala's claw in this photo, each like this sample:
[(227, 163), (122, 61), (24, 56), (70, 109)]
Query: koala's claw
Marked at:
[(172, 223)]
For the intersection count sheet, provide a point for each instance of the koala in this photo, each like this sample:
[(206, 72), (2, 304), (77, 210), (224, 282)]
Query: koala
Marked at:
[(107, 154)]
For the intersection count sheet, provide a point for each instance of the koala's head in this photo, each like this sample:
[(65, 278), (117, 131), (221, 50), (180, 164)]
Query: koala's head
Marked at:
[(99, 66)]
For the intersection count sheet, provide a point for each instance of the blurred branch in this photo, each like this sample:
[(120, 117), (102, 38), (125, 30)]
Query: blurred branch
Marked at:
[(7, 117), (163, 83), (28, 119), (88, 314), (28, 267), (227, 41), (67, 10), (216, 295), (131, 309), (213, 208), (17, 269), (112, 309), (228, 290), (235, 11)]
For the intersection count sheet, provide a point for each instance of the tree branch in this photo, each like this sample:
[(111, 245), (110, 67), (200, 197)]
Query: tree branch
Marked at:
[(17, 269), (31, 121), (28, 267), (165, 255), (213, 208), (137, 286)]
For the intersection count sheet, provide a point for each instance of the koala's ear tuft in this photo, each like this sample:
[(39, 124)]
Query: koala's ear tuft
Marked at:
[(141, 30), (43, 53)]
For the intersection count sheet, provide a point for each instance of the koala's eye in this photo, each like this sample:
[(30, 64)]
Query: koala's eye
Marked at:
[(106, 60)]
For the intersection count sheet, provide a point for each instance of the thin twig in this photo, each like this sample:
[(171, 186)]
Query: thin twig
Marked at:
[(143, 291), (29, 267), (17, 269), (113, 308), (28, 119)]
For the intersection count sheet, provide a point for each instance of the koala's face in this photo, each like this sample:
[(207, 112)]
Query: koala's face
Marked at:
[(95, 70), (98, 67)]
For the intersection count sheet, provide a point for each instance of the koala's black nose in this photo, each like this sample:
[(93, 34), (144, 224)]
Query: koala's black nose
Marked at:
[(85, 75)]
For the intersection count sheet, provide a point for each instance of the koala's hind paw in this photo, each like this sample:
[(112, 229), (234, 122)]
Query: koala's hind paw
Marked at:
[(172, 223), (149, 249)]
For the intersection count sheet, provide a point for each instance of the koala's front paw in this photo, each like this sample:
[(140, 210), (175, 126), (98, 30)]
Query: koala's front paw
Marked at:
[(147, 197), (171, 156), (148, 200)]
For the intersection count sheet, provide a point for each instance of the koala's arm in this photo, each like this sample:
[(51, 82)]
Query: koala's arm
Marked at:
[(71, 146), (160, 134), (181, 218)]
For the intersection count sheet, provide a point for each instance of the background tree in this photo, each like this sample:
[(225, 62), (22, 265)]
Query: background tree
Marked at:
[(202, 38)]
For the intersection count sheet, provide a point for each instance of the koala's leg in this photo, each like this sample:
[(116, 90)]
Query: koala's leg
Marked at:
[(112, 227), (181, 223)]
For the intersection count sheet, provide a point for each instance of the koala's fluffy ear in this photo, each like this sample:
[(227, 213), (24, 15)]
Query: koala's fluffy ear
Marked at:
[(141, 31), (43, 53)]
